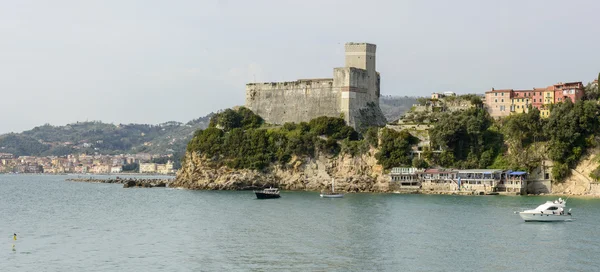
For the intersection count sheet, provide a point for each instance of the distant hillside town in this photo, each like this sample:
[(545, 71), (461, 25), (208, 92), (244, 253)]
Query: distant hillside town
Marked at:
[(87, 164)]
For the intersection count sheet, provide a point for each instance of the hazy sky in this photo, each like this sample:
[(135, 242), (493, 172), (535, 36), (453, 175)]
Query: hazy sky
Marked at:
[(147, 61)]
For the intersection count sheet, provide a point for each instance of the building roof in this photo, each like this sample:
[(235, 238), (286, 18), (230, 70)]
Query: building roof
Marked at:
[(480, 171), (437, 171), (500, 91)]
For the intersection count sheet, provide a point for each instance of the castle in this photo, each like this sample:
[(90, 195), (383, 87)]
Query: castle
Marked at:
[(353, 93)]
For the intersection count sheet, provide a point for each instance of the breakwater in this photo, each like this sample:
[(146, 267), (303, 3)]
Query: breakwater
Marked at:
[(128, 182)]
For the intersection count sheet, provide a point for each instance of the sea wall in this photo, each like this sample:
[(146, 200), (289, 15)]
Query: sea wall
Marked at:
[(296, 101)]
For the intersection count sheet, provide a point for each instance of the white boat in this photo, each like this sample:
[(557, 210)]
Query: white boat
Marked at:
[(331, 194), (550, 211)]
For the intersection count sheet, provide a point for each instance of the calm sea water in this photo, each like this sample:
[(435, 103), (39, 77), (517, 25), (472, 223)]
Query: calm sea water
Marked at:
[(69, 226)]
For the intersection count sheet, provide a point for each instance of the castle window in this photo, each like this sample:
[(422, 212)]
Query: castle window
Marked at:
[(495, 100), (502, 94), (496, 94), (503, 100)]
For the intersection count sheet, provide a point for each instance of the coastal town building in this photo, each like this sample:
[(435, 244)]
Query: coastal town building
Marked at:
[(353, 93), (82, 164), (503, 102), (156, 168), (147, 168)]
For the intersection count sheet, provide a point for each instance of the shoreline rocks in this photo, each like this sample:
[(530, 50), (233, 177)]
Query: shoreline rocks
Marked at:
[(128, 182), (352, 174)]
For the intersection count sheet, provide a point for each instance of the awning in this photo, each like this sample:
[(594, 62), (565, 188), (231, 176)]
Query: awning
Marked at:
[(518, 173)]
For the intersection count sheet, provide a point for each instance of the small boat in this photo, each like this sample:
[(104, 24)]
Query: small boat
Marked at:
[(331, 194), (551, 211), (267, 193)]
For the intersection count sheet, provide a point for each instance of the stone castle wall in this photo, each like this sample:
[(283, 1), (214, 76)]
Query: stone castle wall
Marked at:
[(352, 93), (295, 101)]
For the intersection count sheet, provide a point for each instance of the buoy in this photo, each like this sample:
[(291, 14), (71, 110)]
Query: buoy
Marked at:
[(15, 236)]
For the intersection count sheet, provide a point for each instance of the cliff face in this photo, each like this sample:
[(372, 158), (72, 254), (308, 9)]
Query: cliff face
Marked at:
[(579, 182), (351, 174)]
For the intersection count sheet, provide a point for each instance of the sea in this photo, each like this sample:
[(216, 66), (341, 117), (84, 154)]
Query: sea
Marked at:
[(77, 226)]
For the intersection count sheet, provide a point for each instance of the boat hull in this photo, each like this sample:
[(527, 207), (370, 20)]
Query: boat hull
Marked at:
[(332, 196), (261, 195), (540, 217)]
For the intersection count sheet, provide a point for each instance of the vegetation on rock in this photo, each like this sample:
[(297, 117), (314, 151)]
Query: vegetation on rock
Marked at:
[(235, 139)]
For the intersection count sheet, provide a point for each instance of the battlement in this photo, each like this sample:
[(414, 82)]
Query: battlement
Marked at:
[(300, 83), (352, 47)]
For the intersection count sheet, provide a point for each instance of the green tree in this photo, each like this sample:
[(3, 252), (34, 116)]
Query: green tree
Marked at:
[(395, 148), (419, 163), (466, 135)]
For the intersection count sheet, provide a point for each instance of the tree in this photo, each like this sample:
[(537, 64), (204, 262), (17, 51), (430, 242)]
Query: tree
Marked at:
[(419, 163), (395, 148), (466, 136)]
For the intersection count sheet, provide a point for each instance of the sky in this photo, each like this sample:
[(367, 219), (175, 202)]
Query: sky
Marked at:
[(145, 61)]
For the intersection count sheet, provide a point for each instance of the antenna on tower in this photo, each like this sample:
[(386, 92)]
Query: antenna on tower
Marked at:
[(254, 78)]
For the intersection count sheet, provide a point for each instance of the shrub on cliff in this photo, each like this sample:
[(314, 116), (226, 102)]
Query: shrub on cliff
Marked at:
[(395, 148), (240, 118)]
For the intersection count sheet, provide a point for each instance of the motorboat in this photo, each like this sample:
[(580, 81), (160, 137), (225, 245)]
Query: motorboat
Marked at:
[(267, 193), (332, 194), (550, 211)]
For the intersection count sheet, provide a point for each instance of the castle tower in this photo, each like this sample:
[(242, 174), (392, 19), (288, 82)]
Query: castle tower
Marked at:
[(362, 56)]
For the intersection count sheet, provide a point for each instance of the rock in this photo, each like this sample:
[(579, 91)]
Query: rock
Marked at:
[(352, 174), (129, 183)]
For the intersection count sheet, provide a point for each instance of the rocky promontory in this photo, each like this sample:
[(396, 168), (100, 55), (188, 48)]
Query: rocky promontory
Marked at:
[(128, 182), (352, 174)]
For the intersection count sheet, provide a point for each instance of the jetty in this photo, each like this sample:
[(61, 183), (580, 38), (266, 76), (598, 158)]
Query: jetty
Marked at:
[(127, 182)]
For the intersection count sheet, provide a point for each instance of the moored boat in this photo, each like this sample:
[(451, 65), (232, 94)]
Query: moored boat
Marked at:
[(551, 211), (267, 193), (331, 194)]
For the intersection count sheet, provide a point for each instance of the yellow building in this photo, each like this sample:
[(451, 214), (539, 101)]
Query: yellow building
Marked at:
[(520, 105), (549, 97)]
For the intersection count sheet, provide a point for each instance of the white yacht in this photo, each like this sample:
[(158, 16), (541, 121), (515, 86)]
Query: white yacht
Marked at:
[(548, 212)]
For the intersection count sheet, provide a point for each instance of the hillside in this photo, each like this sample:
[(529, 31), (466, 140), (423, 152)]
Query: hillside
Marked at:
[(103, 138), (393, 107)]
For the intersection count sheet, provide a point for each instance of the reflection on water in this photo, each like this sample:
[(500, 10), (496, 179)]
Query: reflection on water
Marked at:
[(72, 226)]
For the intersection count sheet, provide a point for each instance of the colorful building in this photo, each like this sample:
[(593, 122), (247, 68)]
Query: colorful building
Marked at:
[(501, 103), (498, 102)]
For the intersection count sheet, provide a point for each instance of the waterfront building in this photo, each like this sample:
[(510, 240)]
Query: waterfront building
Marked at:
[(480, 180), (116, 169), (147, 168), (475, 181), (438, 180), (515, 181), (403, 179)]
